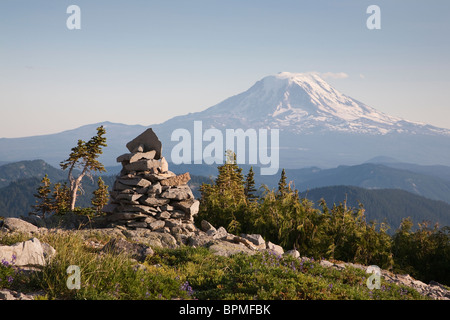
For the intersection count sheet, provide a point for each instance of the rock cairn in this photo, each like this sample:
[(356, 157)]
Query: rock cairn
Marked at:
[(147, 195)]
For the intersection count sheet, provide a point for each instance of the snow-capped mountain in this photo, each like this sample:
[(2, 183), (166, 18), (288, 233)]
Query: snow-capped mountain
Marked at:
[(318, 126), (304, 103)]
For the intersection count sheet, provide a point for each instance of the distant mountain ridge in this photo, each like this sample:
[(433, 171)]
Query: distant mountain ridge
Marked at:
[(319, 126), (17, 197), (391, 205)]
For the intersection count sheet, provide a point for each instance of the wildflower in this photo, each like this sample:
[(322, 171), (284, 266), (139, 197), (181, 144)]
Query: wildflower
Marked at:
[(330, 286), (10, 279), (187, 288), (5, 263)]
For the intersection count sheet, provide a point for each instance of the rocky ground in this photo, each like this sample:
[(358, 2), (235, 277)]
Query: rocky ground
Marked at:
[(140, 241)]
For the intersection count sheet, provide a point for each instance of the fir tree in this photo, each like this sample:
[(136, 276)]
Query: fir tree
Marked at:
[(249, 188), (283, 187), (101, 196), (61, 198), (44, 203)]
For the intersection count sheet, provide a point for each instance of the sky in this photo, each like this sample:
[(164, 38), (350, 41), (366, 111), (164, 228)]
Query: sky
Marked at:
[(144, 62)]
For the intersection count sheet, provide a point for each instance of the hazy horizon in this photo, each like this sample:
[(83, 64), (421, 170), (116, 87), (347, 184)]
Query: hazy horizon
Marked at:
[(144, 62)]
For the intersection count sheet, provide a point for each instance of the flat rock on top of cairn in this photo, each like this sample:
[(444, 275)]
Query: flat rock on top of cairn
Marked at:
[(148, 140)]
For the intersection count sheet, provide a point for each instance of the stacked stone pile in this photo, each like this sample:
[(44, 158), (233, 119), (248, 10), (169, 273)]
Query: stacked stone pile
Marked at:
[(147, 195)]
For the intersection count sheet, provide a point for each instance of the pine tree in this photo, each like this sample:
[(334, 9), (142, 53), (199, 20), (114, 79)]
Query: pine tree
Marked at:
[(101, 196), (44, 203), (249, 188), (84, 156)]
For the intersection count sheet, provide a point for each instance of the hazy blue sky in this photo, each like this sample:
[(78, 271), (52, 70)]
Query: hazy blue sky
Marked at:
[(143, 62)]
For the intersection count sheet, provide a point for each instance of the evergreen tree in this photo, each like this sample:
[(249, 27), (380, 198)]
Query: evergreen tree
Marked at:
[(223, 203), (283, 187), (61, 198), (101, 196), (44, 203), (249, 188), (84, 156)]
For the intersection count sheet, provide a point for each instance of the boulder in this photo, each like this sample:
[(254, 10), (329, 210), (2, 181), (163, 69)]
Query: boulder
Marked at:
[(294, 253), (19, 225), (151, 238), (148, 141), (256, 239), (274, 248), (226, 249), (220, 233), (205, 225), (30, 253)]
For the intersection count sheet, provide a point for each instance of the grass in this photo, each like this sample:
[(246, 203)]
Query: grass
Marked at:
[(191, 273)]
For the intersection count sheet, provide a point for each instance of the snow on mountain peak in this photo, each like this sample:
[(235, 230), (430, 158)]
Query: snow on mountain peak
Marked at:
[(305, 103)]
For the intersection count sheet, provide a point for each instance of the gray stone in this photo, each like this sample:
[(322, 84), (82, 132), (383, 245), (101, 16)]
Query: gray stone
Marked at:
[(170, 223), (294, 253), (274, 248), (205, 225), (190, 206), (19, 225), (226, 249), (137, 224), (27, 253), (163, 215), (152, 201), (256, 239), (135, 250), (120, 187), (149, 219), (155, 177), (148, 140), (155, 188), (164, 165), (151, 238), (117, 216), (179, 180), (220, 233), (177, 214), (124, 157), (128, 196), (167, 207), (150, 155), (179, 193), (136, 182), (158, 224), (143, 165), (137, 208), (189, 226)]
